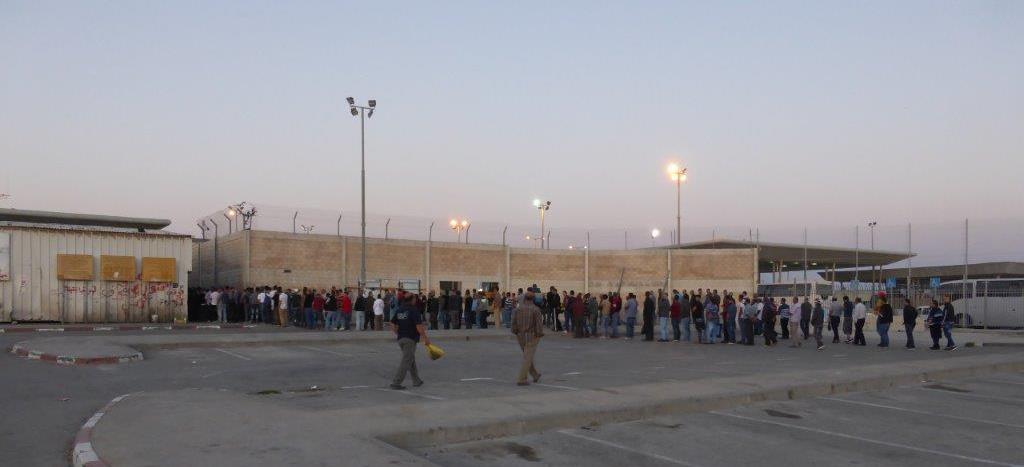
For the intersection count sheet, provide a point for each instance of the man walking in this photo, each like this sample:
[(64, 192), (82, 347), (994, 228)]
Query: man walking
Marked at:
[(528, 327), (407, 323), (835, 315), (847, 319), (784, 315)]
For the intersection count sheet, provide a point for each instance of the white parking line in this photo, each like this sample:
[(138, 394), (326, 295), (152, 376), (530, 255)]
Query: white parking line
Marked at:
[(626, 448), (932, 414), (1000, 381), (477, 379), (568, 388), (571, 373), (410, 393), (1012, 400), (243, 357), (325, 351), (868, 440), (354, 387)]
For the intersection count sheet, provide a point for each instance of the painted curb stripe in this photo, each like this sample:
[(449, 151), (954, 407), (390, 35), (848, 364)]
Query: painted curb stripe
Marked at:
[(84, 455)]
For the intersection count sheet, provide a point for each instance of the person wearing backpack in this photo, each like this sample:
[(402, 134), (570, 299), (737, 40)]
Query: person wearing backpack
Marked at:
[(909, 322)]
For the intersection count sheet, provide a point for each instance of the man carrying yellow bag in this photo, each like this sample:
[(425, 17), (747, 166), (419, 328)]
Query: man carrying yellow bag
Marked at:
[(408, 326), (528, 326)]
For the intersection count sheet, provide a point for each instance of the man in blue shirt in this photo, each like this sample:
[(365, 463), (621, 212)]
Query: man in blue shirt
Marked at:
[(407, 323)]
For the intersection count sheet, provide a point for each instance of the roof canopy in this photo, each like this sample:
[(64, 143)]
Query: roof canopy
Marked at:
[(946, 273), (791, 255), (65, 218)]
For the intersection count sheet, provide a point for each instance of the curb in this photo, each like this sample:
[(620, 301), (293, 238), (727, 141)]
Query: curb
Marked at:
[(20, 351), (130, 327), (441, 435), (83, 455)]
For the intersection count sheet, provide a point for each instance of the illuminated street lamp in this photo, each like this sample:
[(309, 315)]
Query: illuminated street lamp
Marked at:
[(654, 235), (458, 226), (678, 175), (543, 207)]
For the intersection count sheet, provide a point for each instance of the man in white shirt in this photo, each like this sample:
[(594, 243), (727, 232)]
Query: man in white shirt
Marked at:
[(860, 313), (282, 309), (378, 313), (217, 300)]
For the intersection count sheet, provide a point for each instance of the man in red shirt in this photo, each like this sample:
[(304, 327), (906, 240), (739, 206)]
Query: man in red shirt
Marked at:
[(346, 310)]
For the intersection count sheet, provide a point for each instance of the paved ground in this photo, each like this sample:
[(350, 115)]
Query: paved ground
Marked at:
[(972, 421), (48, 403)]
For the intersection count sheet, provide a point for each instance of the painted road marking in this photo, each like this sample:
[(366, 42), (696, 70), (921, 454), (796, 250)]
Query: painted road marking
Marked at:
[(410, 393), (325, 351), (931, 414), (354, 387), (868, 440), (243, 357), (477, 379), (568, 388), (625, 448), (572, 373), (977, 396)]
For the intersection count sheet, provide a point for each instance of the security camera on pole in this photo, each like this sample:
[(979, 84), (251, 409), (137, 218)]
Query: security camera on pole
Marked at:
[(363, 112)]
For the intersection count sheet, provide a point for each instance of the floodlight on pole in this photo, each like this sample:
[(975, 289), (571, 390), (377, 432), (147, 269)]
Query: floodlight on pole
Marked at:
[(363, 112), (459, 226), (543, 207), (678, 174), (654, 235)]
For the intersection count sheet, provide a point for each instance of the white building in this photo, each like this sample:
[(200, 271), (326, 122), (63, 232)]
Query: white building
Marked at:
[(75, 268)]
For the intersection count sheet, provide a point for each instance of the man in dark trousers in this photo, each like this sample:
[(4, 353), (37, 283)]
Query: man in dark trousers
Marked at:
[(528, 327), (948, 319), (553, 301), (408, 326), (909, 322), (805, 318), (648, 327)]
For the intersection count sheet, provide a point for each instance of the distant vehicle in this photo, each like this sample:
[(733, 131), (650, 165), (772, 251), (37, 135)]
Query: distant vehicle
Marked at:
[(992, 303)]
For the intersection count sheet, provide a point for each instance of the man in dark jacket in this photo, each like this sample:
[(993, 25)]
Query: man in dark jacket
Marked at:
[(884, 320), (909, 322), (818, 322), (948, 319), (528, 327), (551, 309), (934, 321), (648, 314)]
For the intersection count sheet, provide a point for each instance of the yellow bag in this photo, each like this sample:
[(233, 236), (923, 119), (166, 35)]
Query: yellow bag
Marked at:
[(434, 351)]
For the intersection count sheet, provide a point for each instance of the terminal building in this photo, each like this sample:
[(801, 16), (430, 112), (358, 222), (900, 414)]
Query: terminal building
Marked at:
[(77, 268)]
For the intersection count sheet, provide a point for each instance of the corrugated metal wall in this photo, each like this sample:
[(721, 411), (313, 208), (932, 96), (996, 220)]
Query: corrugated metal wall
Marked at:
[(33, 292)]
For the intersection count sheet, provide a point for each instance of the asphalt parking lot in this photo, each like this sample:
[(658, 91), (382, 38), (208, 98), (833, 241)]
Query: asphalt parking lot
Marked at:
[(48, 403), (977, 421)]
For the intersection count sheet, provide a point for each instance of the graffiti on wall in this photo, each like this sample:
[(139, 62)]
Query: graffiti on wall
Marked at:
[(127, 301)]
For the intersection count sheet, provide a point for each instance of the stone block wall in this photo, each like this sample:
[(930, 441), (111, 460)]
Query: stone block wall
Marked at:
[(253, 258)]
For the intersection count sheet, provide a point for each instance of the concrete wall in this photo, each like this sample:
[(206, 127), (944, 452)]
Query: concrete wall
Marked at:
[(33, 292), (252, 258)]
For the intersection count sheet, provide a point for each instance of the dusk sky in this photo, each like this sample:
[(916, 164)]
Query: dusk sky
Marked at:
[(787, 114)]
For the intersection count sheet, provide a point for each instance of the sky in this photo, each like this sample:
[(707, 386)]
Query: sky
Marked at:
[(824, 114)]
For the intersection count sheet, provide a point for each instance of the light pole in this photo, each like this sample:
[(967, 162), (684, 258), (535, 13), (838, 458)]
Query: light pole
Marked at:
[(654, 235), (543, 207), (871, 225), (363, 113), (458, 226), (678, 175)]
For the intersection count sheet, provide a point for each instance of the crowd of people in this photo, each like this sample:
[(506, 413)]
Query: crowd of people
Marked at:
[(701, 316)]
